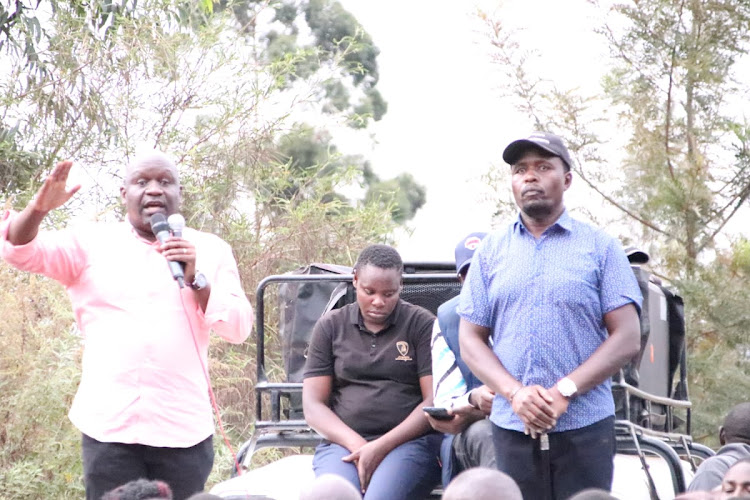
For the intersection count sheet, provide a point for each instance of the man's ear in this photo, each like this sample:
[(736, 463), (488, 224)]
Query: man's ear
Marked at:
[(122, 194), (354, 280), (722, 436), (568, 179)]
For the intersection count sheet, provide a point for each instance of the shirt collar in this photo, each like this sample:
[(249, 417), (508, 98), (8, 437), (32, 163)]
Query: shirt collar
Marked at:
[(355, 316), (138, 236), (565, 222)]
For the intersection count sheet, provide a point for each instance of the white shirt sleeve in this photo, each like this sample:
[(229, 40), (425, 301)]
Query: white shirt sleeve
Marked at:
[(449, 386)]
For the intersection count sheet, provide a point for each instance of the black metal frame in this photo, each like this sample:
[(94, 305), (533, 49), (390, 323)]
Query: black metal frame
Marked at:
[(667, 444)]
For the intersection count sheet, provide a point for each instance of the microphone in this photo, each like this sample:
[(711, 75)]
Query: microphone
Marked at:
[(160, 228), (176, 224)]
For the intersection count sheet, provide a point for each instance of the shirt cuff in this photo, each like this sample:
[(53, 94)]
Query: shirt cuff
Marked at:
[(5, 221), (7, 249)]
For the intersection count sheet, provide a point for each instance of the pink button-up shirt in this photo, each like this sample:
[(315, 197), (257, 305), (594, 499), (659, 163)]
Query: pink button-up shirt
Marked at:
[(142, 379)]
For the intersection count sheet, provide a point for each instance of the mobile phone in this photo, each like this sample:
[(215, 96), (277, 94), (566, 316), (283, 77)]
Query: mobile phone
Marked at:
[(437, 413)]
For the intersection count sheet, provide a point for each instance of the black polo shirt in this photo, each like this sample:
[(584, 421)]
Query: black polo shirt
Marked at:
[(375, 375)]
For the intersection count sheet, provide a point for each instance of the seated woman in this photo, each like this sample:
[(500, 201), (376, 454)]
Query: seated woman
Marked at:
[(367, 377)]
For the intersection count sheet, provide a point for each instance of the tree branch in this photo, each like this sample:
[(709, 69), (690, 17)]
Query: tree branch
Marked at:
[(740, 200), (622, 208)]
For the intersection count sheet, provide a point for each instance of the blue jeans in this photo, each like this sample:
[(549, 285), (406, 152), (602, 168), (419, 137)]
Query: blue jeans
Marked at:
[(408, 472)]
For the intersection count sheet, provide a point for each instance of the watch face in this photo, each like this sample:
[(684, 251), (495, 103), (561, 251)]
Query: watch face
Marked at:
[(200, 281), (567, 387)]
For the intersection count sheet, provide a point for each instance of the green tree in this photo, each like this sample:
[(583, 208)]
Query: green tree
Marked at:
[(333, 33), (684, 177), (306, 149), (402, 193)]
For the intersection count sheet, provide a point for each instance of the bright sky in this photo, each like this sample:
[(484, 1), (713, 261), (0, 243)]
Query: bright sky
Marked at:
[(447, 122)]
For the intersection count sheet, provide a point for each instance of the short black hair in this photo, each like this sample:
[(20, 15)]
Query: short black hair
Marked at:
[(382, 256), (737, 424), (140, 489)]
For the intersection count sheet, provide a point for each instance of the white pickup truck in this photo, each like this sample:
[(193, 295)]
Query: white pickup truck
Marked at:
[(656, 456)]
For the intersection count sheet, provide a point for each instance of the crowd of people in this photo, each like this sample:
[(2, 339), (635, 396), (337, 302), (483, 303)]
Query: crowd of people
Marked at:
[(521, 361), (518, 365)]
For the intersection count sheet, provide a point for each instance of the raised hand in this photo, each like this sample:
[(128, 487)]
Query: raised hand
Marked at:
[(54, 193)]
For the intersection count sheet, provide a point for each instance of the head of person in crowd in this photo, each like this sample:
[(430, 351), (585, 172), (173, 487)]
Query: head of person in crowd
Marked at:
[(698, 495), (593, 494), (377, 280), (482, 483), (636, 255), (465, 251), (151, 185), (140, 489), (540, 174), (330, 487), (736, 428), (736, 482)]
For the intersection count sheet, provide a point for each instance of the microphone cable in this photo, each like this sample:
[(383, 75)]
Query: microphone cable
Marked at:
[(211, 395), (176, 224)]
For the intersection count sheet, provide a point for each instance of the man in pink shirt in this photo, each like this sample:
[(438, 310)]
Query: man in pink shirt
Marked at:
[(143, 403)]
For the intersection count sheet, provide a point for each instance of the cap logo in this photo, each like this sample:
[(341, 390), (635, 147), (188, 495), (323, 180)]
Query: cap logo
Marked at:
[(472, 243)]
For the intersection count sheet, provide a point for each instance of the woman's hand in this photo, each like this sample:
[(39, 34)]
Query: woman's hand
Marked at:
[(367, 459)]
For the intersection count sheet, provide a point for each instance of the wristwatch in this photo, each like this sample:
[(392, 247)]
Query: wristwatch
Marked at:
[(199, 282), (567, 387)]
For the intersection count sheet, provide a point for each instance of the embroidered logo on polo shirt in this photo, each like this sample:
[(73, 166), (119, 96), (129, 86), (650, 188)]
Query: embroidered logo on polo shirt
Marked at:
[(403, 349)]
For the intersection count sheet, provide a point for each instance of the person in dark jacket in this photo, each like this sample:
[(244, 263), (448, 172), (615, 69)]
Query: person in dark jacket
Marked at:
[(734, 437)]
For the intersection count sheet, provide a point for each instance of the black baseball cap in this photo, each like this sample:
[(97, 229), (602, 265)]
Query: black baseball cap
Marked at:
[(541, 140), (636, 255)]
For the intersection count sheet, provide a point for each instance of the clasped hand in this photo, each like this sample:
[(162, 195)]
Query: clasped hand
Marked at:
[(539, 408)]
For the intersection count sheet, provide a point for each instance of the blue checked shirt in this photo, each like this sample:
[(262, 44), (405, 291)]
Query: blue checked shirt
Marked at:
[(544, 302)]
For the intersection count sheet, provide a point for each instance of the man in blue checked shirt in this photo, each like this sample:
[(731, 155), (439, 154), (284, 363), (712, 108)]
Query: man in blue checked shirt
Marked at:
[(560, 302)]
